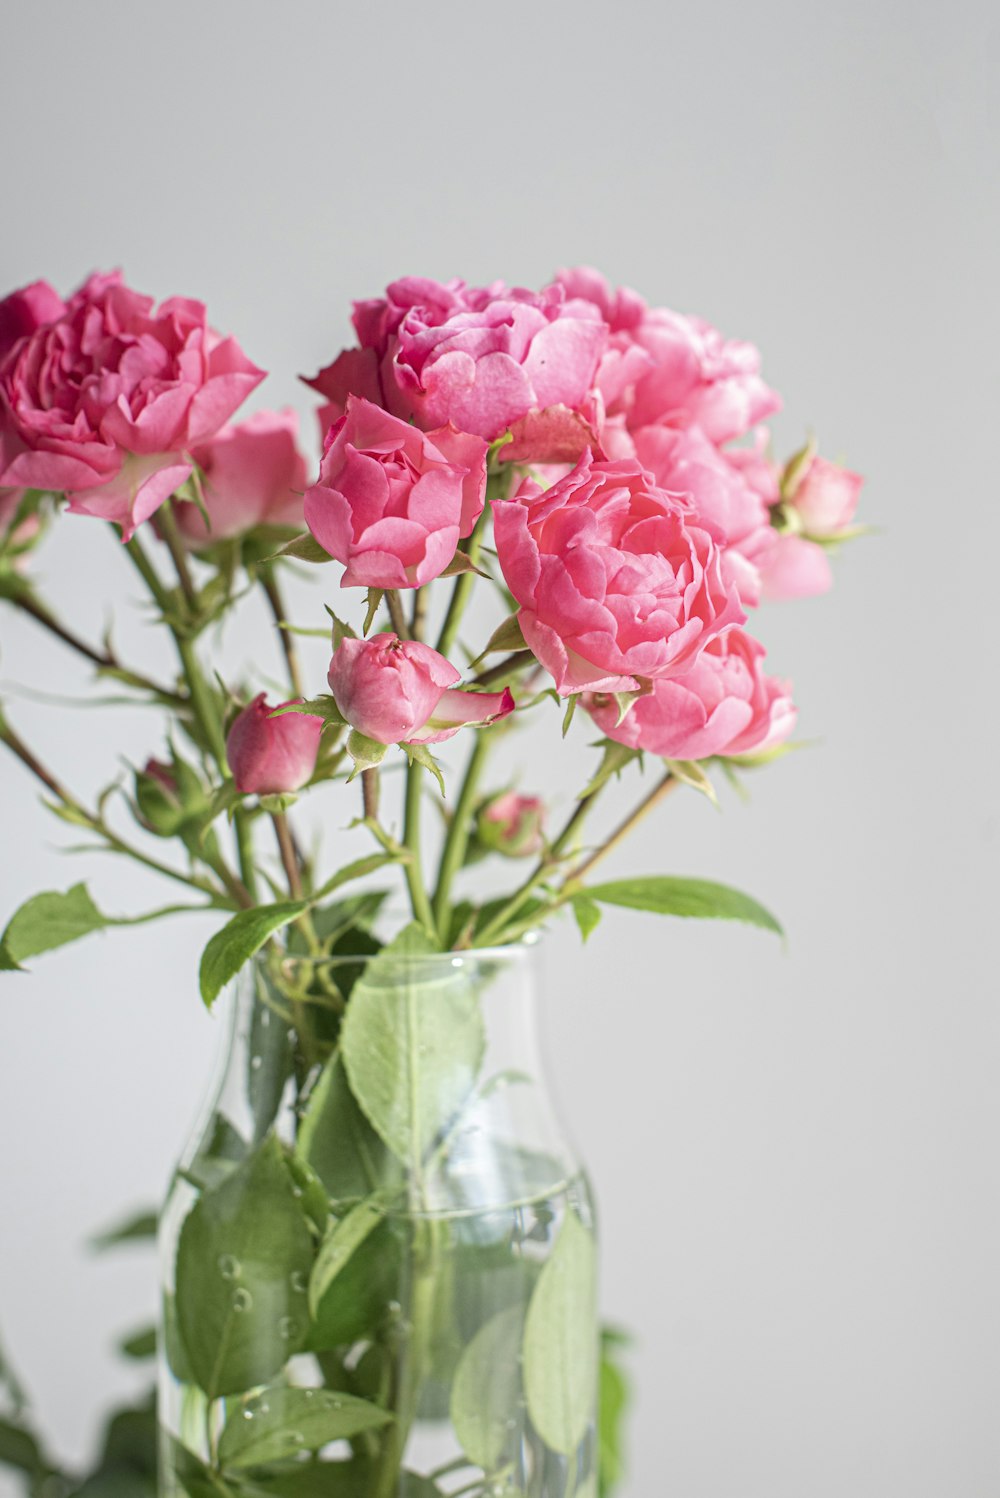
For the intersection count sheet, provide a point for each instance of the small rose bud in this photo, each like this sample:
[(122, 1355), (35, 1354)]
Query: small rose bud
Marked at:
[(825, 498), (169, 796), (272, 756), (512, 825)]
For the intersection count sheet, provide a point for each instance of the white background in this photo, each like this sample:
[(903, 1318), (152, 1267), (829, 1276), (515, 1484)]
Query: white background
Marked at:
[(795, 1152)]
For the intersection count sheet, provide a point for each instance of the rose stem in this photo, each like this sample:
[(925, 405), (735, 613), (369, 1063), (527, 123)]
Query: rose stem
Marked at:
[(396, 614), (457, 840), (171, 535), (104, 660), (419, 615), (662, 789), (370, 794), (411, 837), (272, 592)]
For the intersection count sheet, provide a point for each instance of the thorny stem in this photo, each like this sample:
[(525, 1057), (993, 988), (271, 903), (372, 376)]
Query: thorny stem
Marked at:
[(168, 530), (272, 592), (507, 667), (105, 660), (396, 614), (370, 794), (289, 858), (418, 616), (662, 789)]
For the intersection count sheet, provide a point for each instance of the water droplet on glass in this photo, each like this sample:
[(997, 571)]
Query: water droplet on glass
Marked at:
[(299, 1282), (288, 1327), (242, 1300), (256, 1062), (457, 962), (265, 1019), (229, 1267), (394, 1308), (248, 1414), (264, 1408)]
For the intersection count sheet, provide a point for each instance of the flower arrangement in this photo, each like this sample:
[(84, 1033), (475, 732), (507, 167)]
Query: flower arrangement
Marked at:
[(596, 466)]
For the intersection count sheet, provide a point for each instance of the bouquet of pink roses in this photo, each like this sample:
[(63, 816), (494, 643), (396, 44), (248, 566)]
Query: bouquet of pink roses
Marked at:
[(599, 468)]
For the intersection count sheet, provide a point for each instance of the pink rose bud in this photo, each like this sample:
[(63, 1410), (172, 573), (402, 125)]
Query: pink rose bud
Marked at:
[(392, 501), (826, 498), (169, 796), (399, 692), (615, 581), (724, 705), (512, 825), (272, 756), (253, 474), (105, 401), (480, 359)]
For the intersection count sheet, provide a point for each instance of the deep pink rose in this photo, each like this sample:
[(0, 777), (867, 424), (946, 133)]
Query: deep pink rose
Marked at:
[(826, 498), (106, 402), (392, 501), (24, 311), (399, 692), (512, 824), (794, 567), (253, 474), (272, 756), (615, 581), (724, 705), (481, 359), (730, 491), (663, 366)]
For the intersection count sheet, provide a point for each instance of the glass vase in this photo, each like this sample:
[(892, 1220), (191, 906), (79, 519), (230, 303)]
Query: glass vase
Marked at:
[(378, 1256)]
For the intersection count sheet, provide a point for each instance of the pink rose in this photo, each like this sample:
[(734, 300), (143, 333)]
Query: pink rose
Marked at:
[(399, 692), (730, 493), (253, 474), (724, 705), (106, 402), (662, 366), (392, 501), (512, 824), (481, 359), (616, 583), (826, 498), (794, 567), (24, 311), (272, 756)]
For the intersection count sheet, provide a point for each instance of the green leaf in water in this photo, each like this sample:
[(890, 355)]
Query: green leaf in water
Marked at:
[(560, 1341), (281, 1422), (487, 1389), (343, 1240)]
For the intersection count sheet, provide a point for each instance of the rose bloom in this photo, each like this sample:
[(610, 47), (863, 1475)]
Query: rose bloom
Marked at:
[(826, 497), (24, 311), (663, 366), (400, 692), (252, 474), (794, 567), (615, 581), (105, 401), (482, 359), (512, 824), (272, 756), (392, 501), (724, 705)]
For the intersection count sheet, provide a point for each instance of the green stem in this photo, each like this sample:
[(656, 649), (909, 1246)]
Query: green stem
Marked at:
[(411, 837), (104, 660), (457, 840), (171, 535), (396, 614), (415, 1358), (272, 592), (245, 853), (549, 860), (462, 589)]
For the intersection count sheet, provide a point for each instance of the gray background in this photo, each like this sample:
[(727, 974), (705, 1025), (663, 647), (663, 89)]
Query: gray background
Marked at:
[(795, 1152)]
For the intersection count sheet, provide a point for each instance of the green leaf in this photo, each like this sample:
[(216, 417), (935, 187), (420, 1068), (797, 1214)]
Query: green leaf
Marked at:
[(462, 562), (419, 754), (506, 637), (315, 707), (270, 1060), (560, 1341), (366, 753), (691, 773), (140, 1227), (357, 1302), (413, 1044), (243, 1264), (613, 761), (337, 1141), (281, 1422), (48, 921), (140, 1345), (374, 600), (487, 1389), (314, 1479), (304, 548), (699, 898), (587, 913), (615, 1397), (237, 942), (343, 1240), (569, 714), (359, 869), (20, 1449)]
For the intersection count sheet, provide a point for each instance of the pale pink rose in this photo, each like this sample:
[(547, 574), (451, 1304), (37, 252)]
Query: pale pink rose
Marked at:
[(392, 501), (724, 705), (794, 567), (615, 581), (826, 497), (512, 824), (663, 366), (253, 474), (730, 492), (105, 403), (272, 756), (26, 310), (480, 359), (400, 692)]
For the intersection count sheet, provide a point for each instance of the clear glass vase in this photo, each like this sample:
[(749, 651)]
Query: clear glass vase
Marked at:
[(378, 1252)]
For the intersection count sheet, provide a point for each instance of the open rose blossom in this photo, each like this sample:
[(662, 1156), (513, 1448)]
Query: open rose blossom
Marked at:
[(272, 756), (105, 401), (26, 310), (663, 366), (826, 497), (724, 705), (481, 359), (253, 474), (400, 692), (392, 501), (616, 582)]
